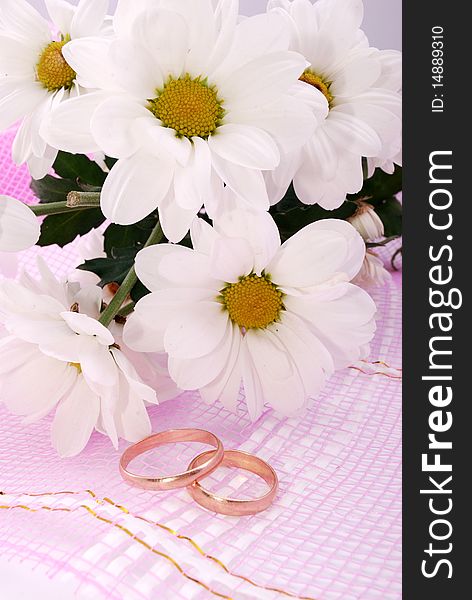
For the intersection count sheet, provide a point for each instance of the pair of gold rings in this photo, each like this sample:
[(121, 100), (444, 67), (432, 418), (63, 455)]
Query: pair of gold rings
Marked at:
[(200, 467)]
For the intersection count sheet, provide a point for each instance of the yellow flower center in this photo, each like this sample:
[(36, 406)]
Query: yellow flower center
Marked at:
[(189, 106), (52, 70), (77, 366), (319, 83), (253, 303)]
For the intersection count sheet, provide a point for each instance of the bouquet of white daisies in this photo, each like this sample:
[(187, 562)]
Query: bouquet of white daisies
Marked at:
[(236, 174)]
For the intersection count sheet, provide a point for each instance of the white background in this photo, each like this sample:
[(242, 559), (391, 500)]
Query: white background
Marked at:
[(382, 22)]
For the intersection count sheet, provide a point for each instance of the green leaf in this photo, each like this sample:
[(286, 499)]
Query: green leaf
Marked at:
[(52, 189), (289, 201), (129, 236), (64, 228), (301, 215), (139, 291), (110, 270), (79, 167), (110, 162), (380, 186), (390, 211)]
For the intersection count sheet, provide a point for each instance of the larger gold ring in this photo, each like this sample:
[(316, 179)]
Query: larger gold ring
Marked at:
[(205, 467)]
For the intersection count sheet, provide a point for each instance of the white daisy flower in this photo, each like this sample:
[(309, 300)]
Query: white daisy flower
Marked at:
[(34, 75), (367, 222), (362, 115), (241, 307), (56, 355), (373, 273), (190, 97), (19, 227)]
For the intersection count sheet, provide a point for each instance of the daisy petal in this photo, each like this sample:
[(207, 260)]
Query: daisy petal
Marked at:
[(203, 236), (277, 372), (21, 101), (195, 373), (39, 167), (312, 359), (126, 14), (21, 17), (162, 142), (343, 325), (19, 227), (98, 366), (254, 37), (51, 379), (232, 258), (227, 385), (318, 253), (314, 186), (356, 74), (75, 420), (68, 125), (86, 326), (132, 69), (138, 177), (106, 422), (175, 220), (14, 353), (253, 392), (352, 134), (132, 419), (257, 227), (287, 120), (16, 58), (192, 182), (143, 391), (319, 30), (196, 332), (165, 35), (262, 79), (247, 184), (88, 18), (114, 128), (169, 265), (89, 300), (145, 328), (89, 58), (61, 14), (391, 77), (245, 146)]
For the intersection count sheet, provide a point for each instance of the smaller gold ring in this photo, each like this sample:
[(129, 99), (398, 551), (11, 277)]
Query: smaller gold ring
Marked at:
[(233, 506)]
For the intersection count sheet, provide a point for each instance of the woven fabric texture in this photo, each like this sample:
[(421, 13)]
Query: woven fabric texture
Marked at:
[(334, 531)]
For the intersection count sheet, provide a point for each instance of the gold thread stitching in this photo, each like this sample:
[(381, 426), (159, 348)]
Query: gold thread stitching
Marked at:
[(397, 377), (127, 532), (146, 545)]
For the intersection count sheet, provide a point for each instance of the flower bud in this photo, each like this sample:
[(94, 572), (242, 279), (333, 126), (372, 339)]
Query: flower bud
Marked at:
[(372, 273), (367, 222), (19, 227)]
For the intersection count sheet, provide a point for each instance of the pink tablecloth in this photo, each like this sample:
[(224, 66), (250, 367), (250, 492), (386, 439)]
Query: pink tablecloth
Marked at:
[(334, 531)]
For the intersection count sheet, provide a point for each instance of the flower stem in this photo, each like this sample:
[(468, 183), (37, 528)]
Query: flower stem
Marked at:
[(52, 208), (75, 201), (127, 310), (129, 282), (83, 199)]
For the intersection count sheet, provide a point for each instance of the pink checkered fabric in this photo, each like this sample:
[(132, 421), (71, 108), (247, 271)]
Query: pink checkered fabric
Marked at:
[(334, 531)]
